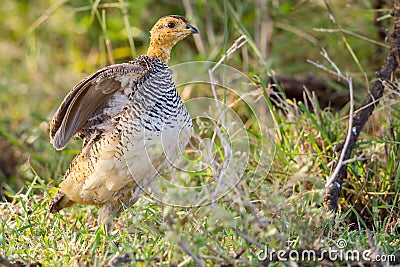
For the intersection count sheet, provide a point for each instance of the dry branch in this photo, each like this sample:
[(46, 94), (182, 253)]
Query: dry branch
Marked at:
[(367, 107)]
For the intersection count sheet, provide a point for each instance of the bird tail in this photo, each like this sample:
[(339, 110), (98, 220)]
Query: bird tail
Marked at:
[(59, 201)]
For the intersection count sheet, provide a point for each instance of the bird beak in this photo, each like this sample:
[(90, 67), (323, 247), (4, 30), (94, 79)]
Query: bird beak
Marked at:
[(192, 29)]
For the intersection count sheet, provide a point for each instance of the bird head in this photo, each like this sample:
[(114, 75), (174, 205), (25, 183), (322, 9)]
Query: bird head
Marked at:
[(166, 33)]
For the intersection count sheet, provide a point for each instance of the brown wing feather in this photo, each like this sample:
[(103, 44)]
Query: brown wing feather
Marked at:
[(87, 96)]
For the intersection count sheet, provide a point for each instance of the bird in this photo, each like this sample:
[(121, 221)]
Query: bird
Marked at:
[(133, 124)]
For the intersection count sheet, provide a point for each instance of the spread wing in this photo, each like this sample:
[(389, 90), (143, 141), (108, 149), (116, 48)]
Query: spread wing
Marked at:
[(91, 94)]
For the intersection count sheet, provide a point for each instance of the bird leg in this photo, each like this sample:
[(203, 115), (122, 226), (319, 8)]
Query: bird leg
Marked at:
[(107, 213), (110, 210)]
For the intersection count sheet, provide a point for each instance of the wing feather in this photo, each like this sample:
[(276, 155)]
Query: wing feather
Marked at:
[(88, 96)]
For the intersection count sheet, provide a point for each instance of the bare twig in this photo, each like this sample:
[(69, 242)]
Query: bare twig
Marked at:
[(356, 159), (186, 248), (360, 118), (248, 238), (351, 33), (336, 71), (227, 159), (349, 81), (239, 42), (347, 141)]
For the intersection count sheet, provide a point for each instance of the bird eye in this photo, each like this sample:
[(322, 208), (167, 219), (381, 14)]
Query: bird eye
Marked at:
[(171, 25)]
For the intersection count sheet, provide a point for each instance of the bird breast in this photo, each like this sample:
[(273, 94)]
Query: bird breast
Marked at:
[(155, 128), (161, 126)]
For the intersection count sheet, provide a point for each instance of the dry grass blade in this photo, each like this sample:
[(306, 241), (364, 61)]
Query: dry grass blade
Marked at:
[(46, 15), (197, 39), (128, 27)]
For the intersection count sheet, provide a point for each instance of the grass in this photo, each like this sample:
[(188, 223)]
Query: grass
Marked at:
[(278, 206)]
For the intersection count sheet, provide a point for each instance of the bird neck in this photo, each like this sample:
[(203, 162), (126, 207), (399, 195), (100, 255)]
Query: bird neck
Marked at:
[(160, 51)]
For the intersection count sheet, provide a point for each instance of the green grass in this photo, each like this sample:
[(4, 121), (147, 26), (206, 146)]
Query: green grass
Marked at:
[(277, 207)]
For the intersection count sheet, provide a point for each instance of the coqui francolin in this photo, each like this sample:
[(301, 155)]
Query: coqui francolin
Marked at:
[(132, 122)]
